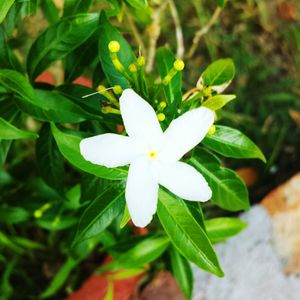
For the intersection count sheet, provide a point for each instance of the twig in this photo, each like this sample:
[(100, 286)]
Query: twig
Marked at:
[(154, 32), (179, 35), (204, 31), (135, 32)]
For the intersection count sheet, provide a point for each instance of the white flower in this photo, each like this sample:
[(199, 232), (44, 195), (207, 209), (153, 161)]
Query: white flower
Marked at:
[(153, 155)]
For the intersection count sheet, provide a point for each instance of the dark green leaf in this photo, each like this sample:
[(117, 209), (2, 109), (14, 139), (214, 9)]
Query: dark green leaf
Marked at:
[(181, 270), (13, 215), (220, 229), (69, 147), (100, 213), (219, 72), (108, 33), (59, 40), (10, 132), (50, 11), (228, 190), (49, 160), (186, 234), (73, 7), (232, 143)]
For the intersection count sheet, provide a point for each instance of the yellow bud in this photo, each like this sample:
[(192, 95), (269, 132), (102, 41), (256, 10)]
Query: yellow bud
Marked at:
[(101, 89), (38, 213), (161, 117), (117, 89), (114, 46), (132, 68), (211, 130), (162, 104), (141, 61), (178, 65), (167, 79)]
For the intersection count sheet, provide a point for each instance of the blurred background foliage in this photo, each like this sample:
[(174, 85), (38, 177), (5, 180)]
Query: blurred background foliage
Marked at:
[(263, 39)]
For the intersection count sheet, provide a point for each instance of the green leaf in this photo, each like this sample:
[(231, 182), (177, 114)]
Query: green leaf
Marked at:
[(186, 234), (50, 11), (4, 8), (221, 3), (218, 101), (100, 213), (164, 62), (220, 229), (219, 72), (41, 104), (126, 217), (10, 132), (108, 33), (59, 40), (29, 7), (49, 160), (68, 145), (13, 215), (181, 270), (228, 190), (231, 142), (144, 252), (73, 7), (60, 277)]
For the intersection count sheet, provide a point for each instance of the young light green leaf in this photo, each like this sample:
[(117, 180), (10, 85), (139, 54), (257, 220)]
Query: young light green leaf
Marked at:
[(220, 229), (218, 101), (126, 217), (181, 269), (100, 213), (10, 132), (59, 40), (232, 143), (219, 72), (108, 33), (68, 145), (228, 190), (4, 8), (186, 234)]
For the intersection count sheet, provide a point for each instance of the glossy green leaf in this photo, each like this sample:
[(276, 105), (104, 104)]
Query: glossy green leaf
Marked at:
[(228, 190), (100, 213), (10, 132), (144, 252), (218, 101), (164, 62), (231, 142), (181, 270), (49, 160), (59, 40), (186, 234), (126, 56), (68, 145), (220, 229), (29, 7), (219, 72), (43, 104), (50, 11), (126, 217), (4, 8), (73, 7)]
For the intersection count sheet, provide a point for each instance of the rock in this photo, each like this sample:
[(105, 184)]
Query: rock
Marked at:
[(262, 262)]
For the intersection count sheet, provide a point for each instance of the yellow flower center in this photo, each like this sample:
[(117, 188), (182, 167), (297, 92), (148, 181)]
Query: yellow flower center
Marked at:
[(152, 154)]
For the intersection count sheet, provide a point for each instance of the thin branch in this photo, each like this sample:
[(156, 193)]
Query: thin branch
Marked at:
[(154, 32), (204, 31), (179, 35), (135, 32)]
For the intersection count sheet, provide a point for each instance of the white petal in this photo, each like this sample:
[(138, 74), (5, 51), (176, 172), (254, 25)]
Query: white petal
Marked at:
[(184, 181), (139, 117), (185, 132), (141, 192), (110, 150)]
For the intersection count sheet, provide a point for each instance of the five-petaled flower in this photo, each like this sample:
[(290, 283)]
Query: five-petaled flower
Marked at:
[(153, 155)]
